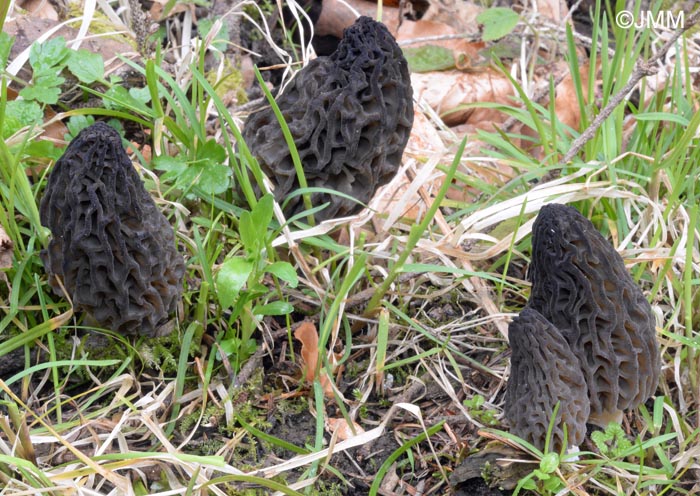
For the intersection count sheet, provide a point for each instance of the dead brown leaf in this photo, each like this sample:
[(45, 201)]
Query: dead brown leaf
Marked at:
[(41, 9), (336, 16), (566, 103), (556, 10), (448, 91), (397, 199), (158, 8), (459, 14), (307, 334)]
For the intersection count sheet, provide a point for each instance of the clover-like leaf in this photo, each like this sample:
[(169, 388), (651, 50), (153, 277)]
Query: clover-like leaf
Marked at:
[(549, 463), (20, 113), (45, 88)]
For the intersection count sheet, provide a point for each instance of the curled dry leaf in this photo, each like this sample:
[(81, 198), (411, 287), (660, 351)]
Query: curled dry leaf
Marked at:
[(341, 426), (447, 92), (566, 103), (307, 334)]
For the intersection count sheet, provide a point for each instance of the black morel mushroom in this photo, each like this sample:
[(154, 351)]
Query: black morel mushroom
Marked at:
[(580, 284), (543, 372), (350, 115), (112, 248)]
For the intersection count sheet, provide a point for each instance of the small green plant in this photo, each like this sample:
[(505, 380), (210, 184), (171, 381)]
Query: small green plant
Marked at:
[(475, 407), (206, 169), (239, 282), (611, 442), (543, 479)]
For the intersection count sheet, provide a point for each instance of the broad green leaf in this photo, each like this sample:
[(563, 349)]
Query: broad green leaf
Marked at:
[(231, 278), (429, 58), (285, 271), (88, 67), (51, 54), (541, 475), (498, 22), (274, 308), (44, 149), (212, 175), (174, 167), (529, 485), (213, 178), (6, 42), (142, 95), (262, 214), (77, 123), (212, 151), (118, 98), (549, 463), (234, 345), (256, 289), (250, 234)]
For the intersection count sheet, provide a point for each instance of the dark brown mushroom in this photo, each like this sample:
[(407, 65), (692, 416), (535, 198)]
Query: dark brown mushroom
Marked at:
[(112, 248), (350, 115), (580, 284), (543, 372)]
